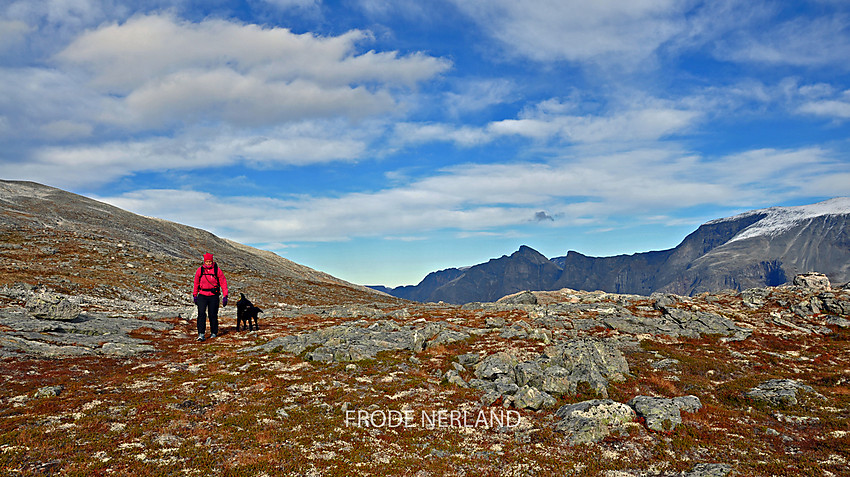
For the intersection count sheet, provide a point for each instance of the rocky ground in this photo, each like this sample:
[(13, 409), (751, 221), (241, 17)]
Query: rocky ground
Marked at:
[(546, 383)]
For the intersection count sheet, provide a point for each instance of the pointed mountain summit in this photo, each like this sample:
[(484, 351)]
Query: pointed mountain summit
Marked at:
[(765, 247)]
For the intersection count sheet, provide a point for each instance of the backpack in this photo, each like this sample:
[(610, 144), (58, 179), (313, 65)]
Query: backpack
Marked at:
[(217, 289)]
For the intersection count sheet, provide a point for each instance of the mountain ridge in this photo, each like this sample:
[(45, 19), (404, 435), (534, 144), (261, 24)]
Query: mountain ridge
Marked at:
[(761, 247)]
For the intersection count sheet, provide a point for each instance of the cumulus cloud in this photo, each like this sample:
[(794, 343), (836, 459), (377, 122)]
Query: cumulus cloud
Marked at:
[(169, 70)]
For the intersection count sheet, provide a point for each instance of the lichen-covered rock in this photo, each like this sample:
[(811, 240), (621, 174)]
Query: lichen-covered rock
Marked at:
[(592, 421), (663, 414), (496, 365), (51, 306), (779, 392), (528, 397), (591, 361)]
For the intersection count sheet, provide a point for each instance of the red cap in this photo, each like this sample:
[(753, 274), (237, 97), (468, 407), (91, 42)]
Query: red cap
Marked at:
[(208, 256)]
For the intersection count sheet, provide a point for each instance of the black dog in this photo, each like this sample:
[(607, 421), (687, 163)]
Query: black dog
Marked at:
[(245, 310)]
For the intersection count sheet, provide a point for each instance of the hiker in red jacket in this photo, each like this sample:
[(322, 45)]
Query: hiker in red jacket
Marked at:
[(209, 285)]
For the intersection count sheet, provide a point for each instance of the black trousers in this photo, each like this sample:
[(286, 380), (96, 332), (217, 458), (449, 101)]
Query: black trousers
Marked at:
[(207, 303)]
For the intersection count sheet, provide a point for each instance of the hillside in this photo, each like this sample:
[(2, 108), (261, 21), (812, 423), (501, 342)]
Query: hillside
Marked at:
[(85, 247), (765, 247)]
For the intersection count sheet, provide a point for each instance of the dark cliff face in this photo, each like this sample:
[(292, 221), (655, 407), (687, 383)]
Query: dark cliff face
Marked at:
[(706, 260)]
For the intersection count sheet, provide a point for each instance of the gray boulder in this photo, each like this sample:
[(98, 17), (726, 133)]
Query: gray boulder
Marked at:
[(587, 360), (664, 414), (591, 421), (812, 281), (528, 397), (495, 366), (49, 391), (51, 306), (778, 392)]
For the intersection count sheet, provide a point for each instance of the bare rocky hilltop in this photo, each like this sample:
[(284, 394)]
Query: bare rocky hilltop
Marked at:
[(100, 374)]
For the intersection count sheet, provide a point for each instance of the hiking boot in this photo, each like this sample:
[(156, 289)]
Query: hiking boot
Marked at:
[(212, 336), (200, 337)]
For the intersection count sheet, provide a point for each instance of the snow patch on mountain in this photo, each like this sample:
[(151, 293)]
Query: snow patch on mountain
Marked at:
[(781, 219)]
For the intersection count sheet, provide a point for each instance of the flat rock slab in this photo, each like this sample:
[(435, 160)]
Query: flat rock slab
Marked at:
[(362, 340), (88, 334)]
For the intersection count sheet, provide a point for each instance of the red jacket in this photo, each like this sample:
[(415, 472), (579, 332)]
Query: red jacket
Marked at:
[(205, 282)]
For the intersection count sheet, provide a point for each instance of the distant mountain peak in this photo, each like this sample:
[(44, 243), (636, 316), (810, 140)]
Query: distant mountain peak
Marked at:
[(779, 219), (799, 239)]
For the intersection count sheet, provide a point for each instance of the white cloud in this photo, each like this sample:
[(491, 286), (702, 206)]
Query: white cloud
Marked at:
[(575, 30), (170, 70), (296, 4), (752, 35), (304, 143), (650, 119), (483, 198), (821, 102), (12, 33)]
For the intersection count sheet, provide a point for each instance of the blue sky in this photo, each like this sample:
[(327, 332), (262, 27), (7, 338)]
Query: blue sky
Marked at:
[(380, 140)]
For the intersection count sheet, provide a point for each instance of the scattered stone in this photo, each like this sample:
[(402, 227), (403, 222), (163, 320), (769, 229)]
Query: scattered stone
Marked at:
[(664, 414), (669, 364), (52, 306), (453, 377), (709, 470), (592, 421), (837, 321), (49, 391), (494, 322), (812, 281), (779, 392), (88, 335)]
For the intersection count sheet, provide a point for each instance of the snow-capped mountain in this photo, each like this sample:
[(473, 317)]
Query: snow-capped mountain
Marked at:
[(765, 247), (777, 220)]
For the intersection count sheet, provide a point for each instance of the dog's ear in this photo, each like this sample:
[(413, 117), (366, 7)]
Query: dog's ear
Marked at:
[(243, 295)]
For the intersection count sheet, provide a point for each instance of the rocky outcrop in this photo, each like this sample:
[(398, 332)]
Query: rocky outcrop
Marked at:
[(362, 340), (559, 370)]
